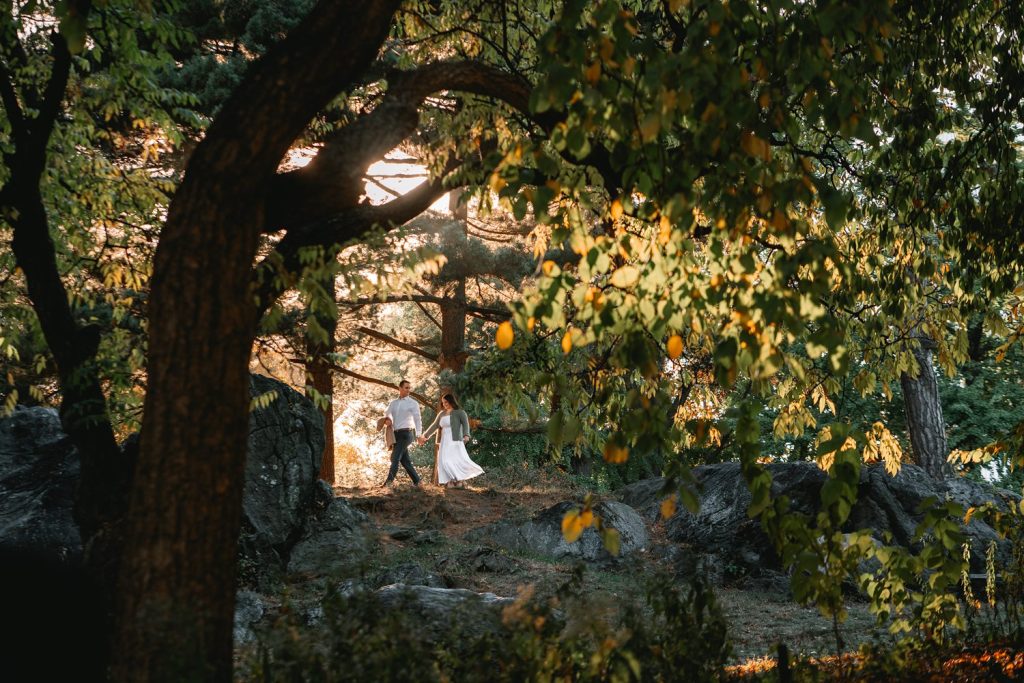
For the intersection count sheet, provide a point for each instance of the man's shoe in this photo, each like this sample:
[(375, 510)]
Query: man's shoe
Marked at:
[(387, 485)]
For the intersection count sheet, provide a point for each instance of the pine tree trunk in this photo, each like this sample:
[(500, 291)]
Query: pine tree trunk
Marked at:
[(453, 330), (322, 380), (924, 415), (453, 310)]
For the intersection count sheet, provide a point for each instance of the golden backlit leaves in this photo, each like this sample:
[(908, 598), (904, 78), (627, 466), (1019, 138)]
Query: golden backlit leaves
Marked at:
[(504, 336), (883, 446), (826, 460), (577, 520), (668, 507)]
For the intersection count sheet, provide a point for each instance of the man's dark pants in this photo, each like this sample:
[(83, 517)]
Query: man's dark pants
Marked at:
[(400, 454)]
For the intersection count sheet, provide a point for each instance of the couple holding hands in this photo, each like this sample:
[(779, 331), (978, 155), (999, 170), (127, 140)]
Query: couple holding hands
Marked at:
[(454, 466)]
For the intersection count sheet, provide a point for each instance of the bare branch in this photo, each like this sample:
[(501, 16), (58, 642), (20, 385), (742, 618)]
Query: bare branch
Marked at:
[(370, 332), (373, 380)]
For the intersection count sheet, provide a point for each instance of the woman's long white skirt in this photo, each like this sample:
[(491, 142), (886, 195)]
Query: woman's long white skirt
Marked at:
[(453, 463)]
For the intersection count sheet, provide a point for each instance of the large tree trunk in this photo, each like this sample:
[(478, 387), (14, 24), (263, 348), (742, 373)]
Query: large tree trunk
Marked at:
[(924, 414), (178, 574)]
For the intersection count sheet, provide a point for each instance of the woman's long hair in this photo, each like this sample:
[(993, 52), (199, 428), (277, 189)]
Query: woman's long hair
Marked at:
[(450, 398)]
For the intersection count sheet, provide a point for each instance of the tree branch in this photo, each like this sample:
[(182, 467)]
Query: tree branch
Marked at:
[(350, 224), (9, 97), (423, 298), (370, 332), (53, 95), (373, 380), (431, 318)]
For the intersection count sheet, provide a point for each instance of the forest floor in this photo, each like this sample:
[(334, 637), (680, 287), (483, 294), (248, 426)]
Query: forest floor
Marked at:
[(431, 524)]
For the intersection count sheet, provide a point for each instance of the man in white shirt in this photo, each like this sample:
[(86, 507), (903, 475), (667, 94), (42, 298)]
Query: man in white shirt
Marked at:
[(404, 414)]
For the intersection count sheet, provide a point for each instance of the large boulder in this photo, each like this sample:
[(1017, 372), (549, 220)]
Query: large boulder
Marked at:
[(286, 442), (437, 610), (542, 535), (39, 469), (333, 541), (886, 505)]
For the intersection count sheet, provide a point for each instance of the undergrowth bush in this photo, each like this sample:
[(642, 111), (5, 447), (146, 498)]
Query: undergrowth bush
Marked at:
[(679, 635)]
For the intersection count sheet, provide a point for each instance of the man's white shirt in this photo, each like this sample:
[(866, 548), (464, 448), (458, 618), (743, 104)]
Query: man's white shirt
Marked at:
[(405, 414)]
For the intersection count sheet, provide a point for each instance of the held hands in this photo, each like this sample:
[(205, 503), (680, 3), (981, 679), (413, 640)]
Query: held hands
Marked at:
[(465, 439)]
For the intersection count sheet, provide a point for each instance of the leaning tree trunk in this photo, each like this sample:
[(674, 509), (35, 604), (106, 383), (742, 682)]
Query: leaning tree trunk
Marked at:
[(178, 574), (924, 414)]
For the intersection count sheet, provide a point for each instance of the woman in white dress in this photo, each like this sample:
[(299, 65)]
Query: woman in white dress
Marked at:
[(453, 464)]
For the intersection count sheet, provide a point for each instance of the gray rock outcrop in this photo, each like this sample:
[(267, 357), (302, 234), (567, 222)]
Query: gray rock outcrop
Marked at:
[(409, 574), (333, 541), (286, 440), (39, 469), (249, 611), (436, 610), (885, 505), (542, 535)]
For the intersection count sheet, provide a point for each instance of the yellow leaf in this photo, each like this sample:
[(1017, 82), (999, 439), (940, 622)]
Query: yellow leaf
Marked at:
[(612, 541), (497, 182), (755, 146), (668, 507), (593, 73), (567, 341), (587, 518), (549, 267), (650, 126), (530, 323), (674, 346), (572, 526), (616, 210), (625, 277), (664, 230), (676, 5), (615, 454), (504, 336)]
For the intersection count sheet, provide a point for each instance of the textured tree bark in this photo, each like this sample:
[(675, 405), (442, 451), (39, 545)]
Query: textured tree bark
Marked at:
[(453, 309), (178, 574), (453, 330), (924, 414)]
